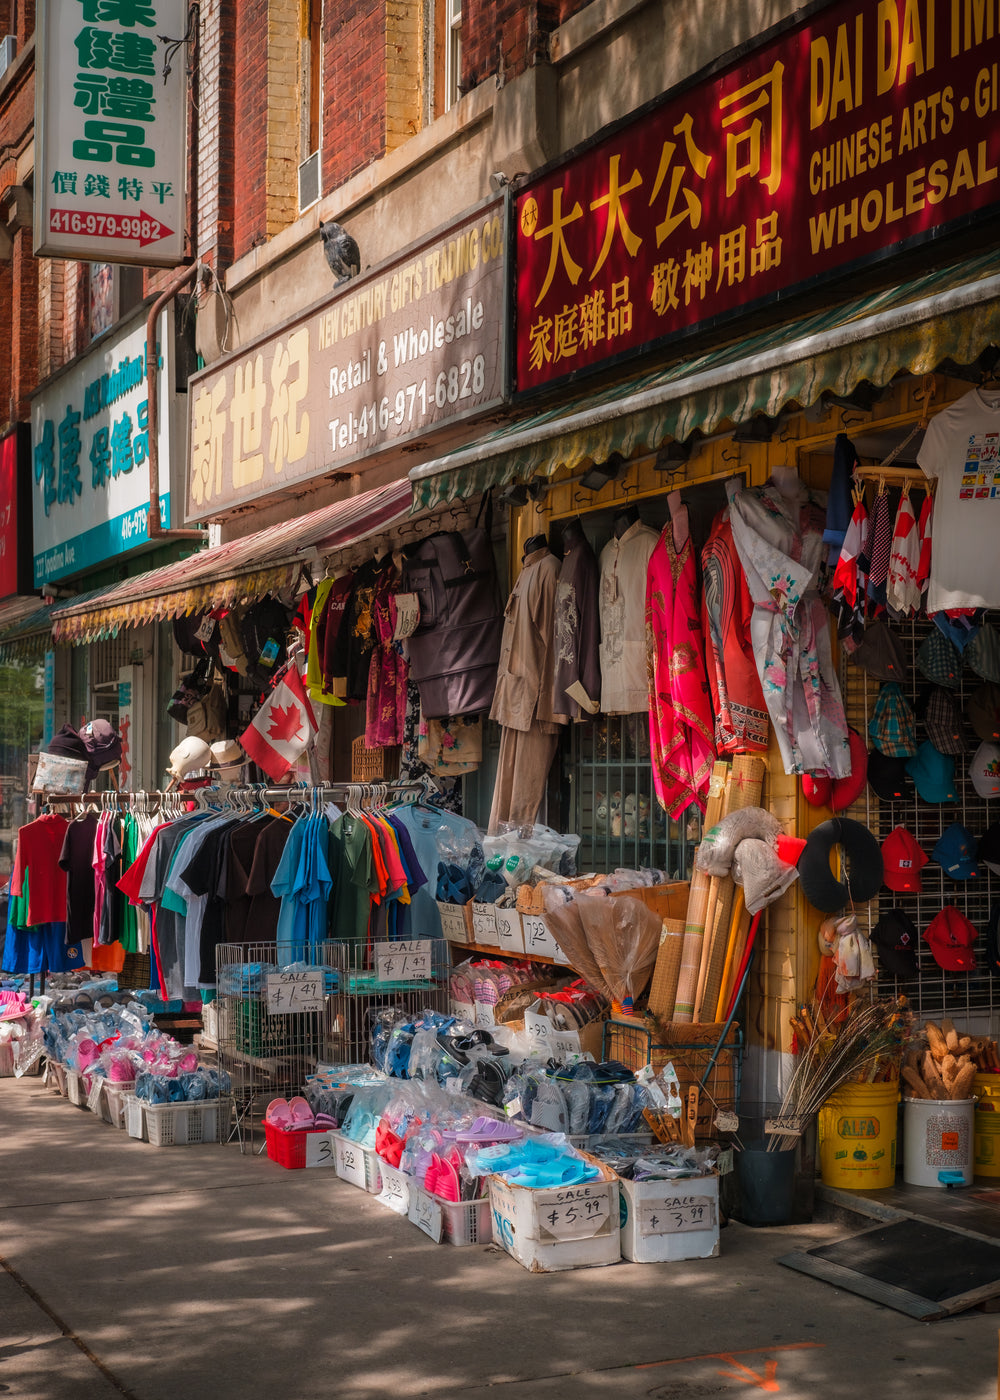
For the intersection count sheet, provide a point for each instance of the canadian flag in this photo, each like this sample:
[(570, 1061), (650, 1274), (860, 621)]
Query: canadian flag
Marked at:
[(283, 727)]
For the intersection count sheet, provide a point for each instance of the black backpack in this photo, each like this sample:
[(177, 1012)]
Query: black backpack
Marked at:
[(455, 650)]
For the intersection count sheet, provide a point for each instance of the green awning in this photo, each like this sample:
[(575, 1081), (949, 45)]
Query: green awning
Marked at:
[(947, 315)]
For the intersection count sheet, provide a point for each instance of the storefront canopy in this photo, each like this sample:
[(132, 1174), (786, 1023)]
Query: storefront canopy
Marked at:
[(26, 627), (231, 573), (948, 315)]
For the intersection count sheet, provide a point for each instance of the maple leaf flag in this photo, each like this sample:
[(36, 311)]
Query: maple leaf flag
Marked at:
[(283, 728)]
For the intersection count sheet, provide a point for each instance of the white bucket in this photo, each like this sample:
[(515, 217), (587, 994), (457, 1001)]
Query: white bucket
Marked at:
[(938, 1137)]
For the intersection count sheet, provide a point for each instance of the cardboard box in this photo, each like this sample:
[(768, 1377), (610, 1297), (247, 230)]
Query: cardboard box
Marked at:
[(453, 923), (558, 1227), (587, 1040), (538, 940), (670, 1220)]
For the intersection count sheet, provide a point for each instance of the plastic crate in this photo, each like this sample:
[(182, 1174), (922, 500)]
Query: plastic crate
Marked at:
[(57, 1076), (256, 1031), (462, 1222), (358, 1165), (114, 1100), (184, 1124), (7, 1060), (291, 1150)]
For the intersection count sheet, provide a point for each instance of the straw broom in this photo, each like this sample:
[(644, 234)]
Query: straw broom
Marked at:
[(694, 923)]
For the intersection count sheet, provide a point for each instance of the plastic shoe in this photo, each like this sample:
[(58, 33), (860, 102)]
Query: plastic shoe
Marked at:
[(278, 1114), (489, 1130)]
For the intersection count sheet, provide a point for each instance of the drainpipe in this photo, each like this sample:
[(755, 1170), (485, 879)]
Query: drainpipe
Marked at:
[(154, 528)]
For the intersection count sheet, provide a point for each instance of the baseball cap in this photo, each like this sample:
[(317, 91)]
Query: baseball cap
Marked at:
[(943, 722), (950, 937), (984, 770), (880, 653), (892, 725), (940, 660), (902, 861), (849, 788), (988, 850), (983, 653), (983, 711), (189, 756), (817, 789), (895, 936), (955, 852), (67, 743), (887, 777), (933, 773)]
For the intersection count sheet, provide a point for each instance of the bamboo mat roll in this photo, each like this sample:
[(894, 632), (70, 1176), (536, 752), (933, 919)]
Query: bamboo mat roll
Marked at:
[(663, 988), (694, 923)]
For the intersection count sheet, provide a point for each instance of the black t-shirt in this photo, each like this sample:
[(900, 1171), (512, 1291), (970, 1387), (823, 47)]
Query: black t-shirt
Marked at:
[(77, 859)]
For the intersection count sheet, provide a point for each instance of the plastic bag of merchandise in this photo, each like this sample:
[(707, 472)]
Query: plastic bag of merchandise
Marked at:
[(718, 845), (366, 1109)]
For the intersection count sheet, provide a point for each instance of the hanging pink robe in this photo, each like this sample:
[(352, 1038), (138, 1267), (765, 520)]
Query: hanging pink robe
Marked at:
[(681, 727)]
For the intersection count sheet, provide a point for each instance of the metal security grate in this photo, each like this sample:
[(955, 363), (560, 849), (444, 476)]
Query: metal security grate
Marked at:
[(613, 806), (970, 998)]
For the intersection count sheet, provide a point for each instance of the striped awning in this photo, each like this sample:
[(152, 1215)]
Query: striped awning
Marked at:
[(238, 571), (947, 315), (26, 627)]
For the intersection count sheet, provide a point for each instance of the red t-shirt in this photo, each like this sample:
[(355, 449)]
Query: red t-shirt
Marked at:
[(39, 846)]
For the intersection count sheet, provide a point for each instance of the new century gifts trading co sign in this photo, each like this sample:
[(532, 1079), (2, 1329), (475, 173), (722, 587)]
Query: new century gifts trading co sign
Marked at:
[(90, 453), (110, 124), (873, 124), (404, 349)]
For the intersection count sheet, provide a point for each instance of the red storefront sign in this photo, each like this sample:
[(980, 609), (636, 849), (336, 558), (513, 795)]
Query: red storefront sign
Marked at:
[(871, 125), (15, 500)]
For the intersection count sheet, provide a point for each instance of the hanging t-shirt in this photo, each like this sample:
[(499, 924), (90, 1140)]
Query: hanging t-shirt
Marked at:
[(39, 846), (355, 879), (75, 858), (961, 449)]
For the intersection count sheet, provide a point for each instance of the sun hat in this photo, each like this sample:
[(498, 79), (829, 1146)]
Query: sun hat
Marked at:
[(933, 773), (943, 722), (955, 852), (226, 753), (902, 861), (880, 653), (887, 777), (848, 789), (950, 937), (984, 770), (940, 660), (863, 859), (892, 726), (983, 653), (895, 937), (190, 756), (983, 711)]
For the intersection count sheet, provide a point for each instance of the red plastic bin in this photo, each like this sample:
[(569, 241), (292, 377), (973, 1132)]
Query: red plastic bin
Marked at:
[(288, 1149)]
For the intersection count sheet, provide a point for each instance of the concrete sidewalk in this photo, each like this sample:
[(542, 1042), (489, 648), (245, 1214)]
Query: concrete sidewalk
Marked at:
[(160, 1273)]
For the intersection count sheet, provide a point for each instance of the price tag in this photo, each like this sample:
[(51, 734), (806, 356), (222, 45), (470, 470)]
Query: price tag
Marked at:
[(782, 1127), (23, 1060), (205, 628), (425, 1212), (351, 1163), (453, 923), (486, 1014), (560, 956), (94, 1095), (565, 1043), (408, 961), (539, 1030), (538, 941), (510, 932), (679, 1216), (407, 616), (727, 1122), (484, 923), (289, 993), (319, 1150), (393, 1193), (577, 1213)]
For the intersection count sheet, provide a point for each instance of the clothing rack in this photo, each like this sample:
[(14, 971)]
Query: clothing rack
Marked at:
[(296, 792)]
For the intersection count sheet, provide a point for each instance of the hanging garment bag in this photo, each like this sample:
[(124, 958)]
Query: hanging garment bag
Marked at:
[(455, 650)]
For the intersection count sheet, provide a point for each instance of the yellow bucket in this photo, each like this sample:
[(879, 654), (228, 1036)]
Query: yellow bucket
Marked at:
[(986, 1130), (857, 1137)]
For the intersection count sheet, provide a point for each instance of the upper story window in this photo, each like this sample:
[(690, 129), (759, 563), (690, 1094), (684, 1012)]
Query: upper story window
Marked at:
[(452, 52)]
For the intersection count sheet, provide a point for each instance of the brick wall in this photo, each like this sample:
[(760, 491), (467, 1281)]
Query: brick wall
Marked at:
[(250, 122), (507, 37), (24, 312), (354, 88), (51, 311), (283, 120), (404, 68)]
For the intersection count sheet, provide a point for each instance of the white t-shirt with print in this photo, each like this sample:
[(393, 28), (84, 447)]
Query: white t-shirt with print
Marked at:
[(961, 448)]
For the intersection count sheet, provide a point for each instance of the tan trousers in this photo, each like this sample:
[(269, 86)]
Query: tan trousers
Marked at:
[(522, 772)]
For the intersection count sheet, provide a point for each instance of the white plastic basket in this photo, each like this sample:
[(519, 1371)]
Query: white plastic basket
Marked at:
[(114, 1100), (467, 1222), (359, 1165), (76, 1087), (178, 1124), (7, 1059), (57, 1076), (135, 1122)]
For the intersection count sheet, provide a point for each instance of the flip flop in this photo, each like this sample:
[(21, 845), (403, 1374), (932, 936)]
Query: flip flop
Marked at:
[(489, 1130), (302, 1114), (278, 1114)]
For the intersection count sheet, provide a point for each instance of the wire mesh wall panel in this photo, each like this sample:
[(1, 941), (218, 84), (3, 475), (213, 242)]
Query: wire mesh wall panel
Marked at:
[(360, 998), (265, 1051), (971, 998), (613, 805)]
